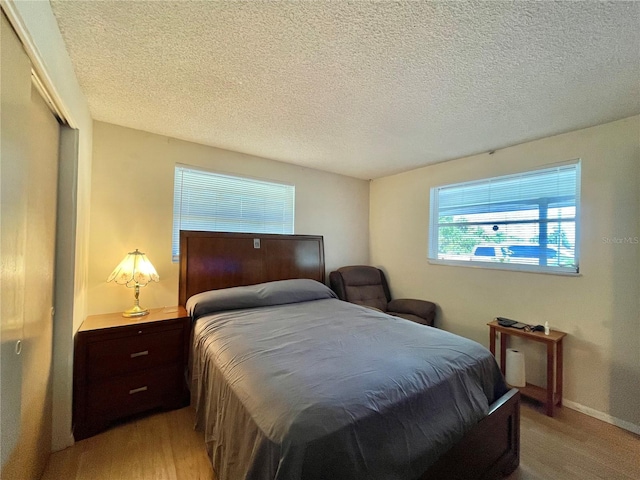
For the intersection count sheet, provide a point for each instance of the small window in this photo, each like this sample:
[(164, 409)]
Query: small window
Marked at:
[(527, 221), (208, 201)]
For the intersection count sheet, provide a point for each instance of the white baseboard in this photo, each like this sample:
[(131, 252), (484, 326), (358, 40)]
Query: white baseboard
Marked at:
[(605, 417)]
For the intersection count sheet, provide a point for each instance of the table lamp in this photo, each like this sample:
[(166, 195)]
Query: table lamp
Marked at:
[(134, 271)]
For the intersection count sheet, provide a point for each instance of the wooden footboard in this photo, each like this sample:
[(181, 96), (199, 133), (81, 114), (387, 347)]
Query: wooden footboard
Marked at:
[(490, 450)]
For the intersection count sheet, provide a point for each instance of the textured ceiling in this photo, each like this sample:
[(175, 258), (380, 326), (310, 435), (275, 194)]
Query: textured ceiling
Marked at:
[(360, 88)]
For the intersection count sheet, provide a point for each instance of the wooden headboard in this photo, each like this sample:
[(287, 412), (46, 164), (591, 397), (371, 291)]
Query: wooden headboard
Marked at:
[(214, 260)]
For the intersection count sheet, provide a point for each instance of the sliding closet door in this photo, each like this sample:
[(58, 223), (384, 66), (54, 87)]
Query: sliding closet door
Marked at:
[(15, 93), (38, 162), (39, 271)]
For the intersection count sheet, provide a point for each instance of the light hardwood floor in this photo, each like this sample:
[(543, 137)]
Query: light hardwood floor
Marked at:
[(572, 445), (164, 446)]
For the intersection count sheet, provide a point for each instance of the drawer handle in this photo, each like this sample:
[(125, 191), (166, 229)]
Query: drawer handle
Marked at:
[(139, 354), (138, 390)]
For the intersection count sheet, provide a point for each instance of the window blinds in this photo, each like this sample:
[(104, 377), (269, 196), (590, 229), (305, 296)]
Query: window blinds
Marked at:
[(525, 219), (208, 201)]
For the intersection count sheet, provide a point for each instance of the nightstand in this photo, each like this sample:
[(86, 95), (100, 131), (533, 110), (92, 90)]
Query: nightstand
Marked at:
[(126, 366)]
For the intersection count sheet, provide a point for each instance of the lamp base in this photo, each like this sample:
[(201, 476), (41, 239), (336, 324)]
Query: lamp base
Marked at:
[(135, 311)]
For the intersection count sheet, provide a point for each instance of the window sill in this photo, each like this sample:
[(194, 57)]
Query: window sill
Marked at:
[(509, 268)]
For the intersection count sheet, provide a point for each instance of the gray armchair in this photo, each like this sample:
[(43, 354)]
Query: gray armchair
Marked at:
[(368, 286)]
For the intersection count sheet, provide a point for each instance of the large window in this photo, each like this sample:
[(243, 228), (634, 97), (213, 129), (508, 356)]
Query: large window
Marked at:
[(210, 201), (527, 221)]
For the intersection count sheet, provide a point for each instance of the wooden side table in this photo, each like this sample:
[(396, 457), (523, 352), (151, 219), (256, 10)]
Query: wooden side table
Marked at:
[(552, 395)]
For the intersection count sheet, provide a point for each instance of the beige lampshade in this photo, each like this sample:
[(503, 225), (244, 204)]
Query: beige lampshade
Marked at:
[(134, 269)]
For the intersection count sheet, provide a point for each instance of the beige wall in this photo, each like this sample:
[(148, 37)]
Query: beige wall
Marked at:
[(600, 309), (132, 204)]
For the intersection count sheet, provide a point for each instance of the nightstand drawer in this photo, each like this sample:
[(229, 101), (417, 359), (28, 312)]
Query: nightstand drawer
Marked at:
[(126, 355), (128, 394)]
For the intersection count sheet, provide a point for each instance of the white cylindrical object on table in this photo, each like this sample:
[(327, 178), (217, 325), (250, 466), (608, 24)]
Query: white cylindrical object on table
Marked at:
[(515, 375)]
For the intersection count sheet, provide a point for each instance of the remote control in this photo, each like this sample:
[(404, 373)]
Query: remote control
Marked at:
[(505, 322)]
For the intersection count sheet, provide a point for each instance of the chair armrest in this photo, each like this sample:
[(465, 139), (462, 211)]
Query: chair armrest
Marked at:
[(420, 308)]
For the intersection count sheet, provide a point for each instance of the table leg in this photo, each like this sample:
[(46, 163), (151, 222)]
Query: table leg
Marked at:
[(550, 378), (559, 372), (492, 340), (503, 352)]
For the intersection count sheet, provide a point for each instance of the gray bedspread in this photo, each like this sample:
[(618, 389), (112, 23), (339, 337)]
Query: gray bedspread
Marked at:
[(305, 386)]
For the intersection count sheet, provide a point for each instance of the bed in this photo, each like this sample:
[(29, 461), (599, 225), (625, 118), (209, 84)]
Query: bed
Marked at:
[(290, 383)]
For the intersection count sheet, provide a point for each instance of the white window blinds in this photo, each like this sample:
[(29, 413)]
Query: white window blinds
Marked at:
[(529, 219), (208, 201)]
